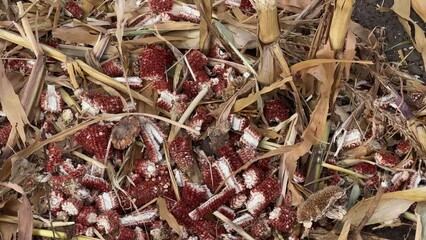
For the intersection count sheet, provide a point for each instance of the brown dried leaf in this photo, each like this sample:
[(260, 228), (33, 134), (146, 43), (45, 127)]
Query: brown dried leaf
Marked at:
[(32, 90), (390, 206), (402, 9), (242, 103), (25, 220), (421, 220), (419, 7), (78, 34), (323, 71), (345, 231), (11, 106), (8, 230), (25, 214), (166, 215), (295, 6), (205, 8)]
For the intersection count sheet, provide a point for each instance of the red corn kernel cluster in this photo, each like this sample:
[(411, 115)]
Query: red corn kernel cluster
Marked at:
[(126, 233), (275, 111), (95, 183), (95, 102), (231, 156), (244, 5), (238, 123), (53, 157), (152, 188), (194, 194), (23, 66), (238, 200), (172, 102), (140, 218), (211, 175), (87, 216), (216, 51), (107, 201), (262, 195), (227, 211), (365, 168), (283, 218), (252, 177), (202, 228), (261, 230), (94, 139), (224, 76), (403, 148), (146, 168), (197, 62), (200, 121), (189, 14), (5, 132), (72, 206), (386, 159), (67, 168), (160, 6), (75, 10), (352, 139), (181, 154), (56, 199), (113, 68), (154, 61), (108, 222), (212, 204), (298, 176)]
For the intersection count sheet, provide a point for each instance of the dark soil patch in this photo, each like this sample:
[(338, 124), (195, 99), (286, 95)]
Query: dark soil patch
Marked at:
[(366, 14), (404, 232)]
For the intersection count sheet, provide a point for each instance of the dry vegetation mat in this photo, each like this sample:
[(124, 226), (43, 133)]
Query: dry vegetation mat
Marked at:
[(226, 119)]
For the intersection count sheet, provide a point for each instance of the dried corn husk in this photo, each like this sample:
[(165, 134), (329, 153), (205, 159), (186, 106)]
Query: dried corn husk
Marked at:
[(268, 26), (340, 23)]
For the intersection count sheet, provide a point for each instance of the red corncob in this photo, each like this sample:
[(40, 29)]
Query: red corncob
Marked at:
[(159, 6), (194, 194), (72, 206), (181, 154), (275, 111), (50, 100), (53, 157), (75, 10), (94, 139), (140, 218), (262, 195), (113, 68), (365, 168), (212, 204), (95, 183), (252, 177), (261, 230), (386, 159), (283, 218), (153, 137), (4, 133), (95, 102), (126, 233), (108, 222), (87, 216)]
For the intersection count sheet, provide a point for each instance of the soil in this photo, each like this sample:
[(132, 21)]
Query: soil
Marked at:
[(366, 13)]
